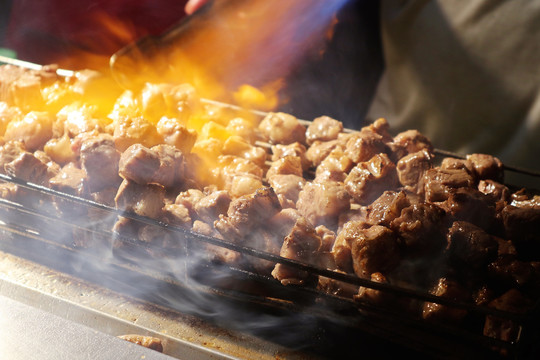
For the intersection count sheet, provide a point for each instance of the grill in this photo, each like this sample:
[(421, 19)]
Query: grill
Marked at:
[(41, 231)]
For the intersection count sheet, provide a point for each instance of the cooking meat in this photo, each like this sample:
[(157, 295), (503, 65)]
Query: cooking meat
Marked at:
[(341, 250), (413, 141), (411, 169), (176, 134), (322, 203), (212, 205), (282, 128), (235, 145), (328, 238), (146, 341), (295, 149), (288, 186), (9, 151), (302, 244), (177, 215), (99, 159), (288, 165), (374, 250), (521, 226), (487, 167), (144, 200), (170, 172), (495, 190), (387, 207), (319, 150), (449, 163), (369, 179), (323, 128), (440, 183), (283, 221), (212, 252), (374, 296), (139, 164), (508, 272), (239, 176), (363, 145), (334, 167), (33, 130), (52, 167), (27, 167), (189, 199), (448, 289), (470, 205), (70, 180), (130, 130)]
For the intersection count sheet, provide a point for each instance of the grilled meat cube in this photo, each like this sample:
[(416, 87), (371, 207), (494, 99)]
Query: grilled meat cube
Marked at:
[(248, 212), (447, 289), (496, 191), (129, 130), (322, 203), (70, 180), (334, 167), (295, 149), (504, 329), (411, 169), (243, 128), (521, 226), (33, 130), (470, 205), (450, 163), (177, 215), (9, 151), (355, 213), (289, 186), (174, 133), (266, 240), (139, 164), (413, 141), (328, 238), (381, 127), (239, 176), (146, 341), (508, 272), (144, 200), (323, 128), (99, 159), (374, 250), (212, 205), (302, 244), (52, 167), (319, 150), (363, 145), (288, 165), (283, 222), (374, 296), (387, 207), (469, 246), (282, 128), (188, 199), (487, 167), (420, 229), (440, 183), (368, 180), (341, 250), (170, 172), (27, 167), (214, 253)]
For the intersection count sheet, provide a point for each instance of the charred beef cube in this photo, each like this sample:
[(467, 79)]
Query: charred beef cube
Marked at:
[(363, 145), (413, 141), (144, 200), (495, 190), (374, 250), (387, 207), (322, 203), (211, 206), (471, 205), (247, 213), (450, 163), (323, 128), (411, 169), (99, 159), (295, 149), (319, 150), (139, 164), (287, 165), (420, 229), (288, 186), (341, 250), (27, 167), (302, 244), (487, 167), (440, 183), (334, 167), (282, 128), (368, 180), (447, 289), (500, 328), (470, 245), (521, 226), (170, 172)]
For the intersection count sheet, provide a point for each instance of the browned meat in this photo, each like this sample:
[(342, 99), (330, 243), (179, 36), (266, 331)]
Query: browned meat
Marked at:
[(281, 128), (52, 167), (470, 246), (355, 213), (328, 238), (509, 272), (420, 229), (287, 165), (239, 176), (177, 214), (9, 151), (487, 167), (499, 328), (381, 127), (323, 128), (496, 191), (188, 199), (144, 200), (214, 253), (146, 341), (387, 207), (368, 180), (176, 134), (322, 203), (27, 167), (521, 226), (70, 180), (341, 250), (413, 141), (471, 205), (374, 250), (302, 244), (440, 183), (334, 167), (319, 150), (363, 145), (411, 169), (451, 290), (295, 149), (99, 159), (282, 223), (289, 186), (139, 164), (247, 213), (374, 296), (450, 163), (211, 206), (170, 172), (129, 130)]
